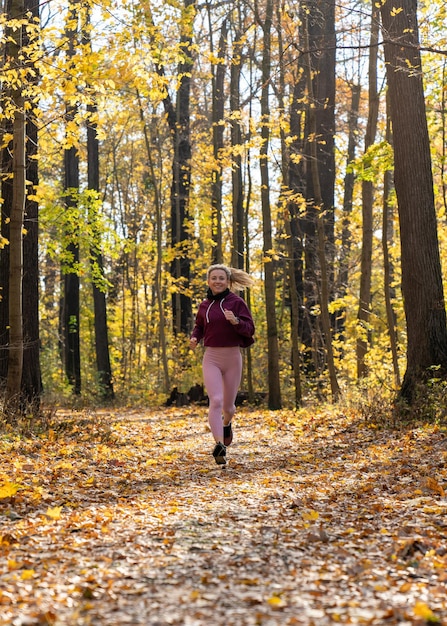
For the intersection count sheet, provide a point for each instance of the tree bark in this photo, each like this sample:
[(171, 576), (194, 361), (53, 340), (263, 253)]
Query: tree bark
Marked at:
[(238, 243), (323, 287), (321, 44), (422, 286), (179, 123), (346, 242), (274, 388), (70, 301), (15, 357), (290, 263), (104, 369), (218, 108), (364, 309), (388, 273), (159, 259)]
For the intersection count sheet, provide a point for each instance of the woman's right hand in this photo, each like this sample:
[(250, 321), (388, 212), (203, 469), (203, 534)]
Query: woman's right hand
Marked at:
[(193, 343)]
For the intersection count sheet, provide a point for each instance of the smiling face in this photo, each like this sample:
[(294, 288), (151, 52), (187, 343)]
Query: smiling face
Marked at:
[(218, 281)]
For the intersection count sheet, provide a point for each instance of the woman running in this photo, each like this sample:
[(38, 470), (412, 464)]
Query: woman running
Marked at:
[(225, 324)]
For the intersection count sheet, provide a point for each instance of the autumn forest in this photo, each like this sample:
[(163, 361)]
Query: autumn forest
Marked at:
[(304, 142)]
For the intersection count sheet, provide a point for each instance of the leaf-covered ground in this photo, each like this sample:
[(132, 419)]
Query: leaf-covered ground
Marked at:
[(124, 518)]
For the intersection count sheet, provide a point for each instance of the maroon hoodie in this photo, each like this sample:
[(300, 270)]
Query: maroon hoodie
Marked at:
[(213, 327)]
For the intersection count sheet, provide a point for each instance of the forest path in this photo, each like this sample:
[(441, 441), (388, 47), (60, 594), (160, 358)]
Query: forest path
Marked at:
[(124, 518)]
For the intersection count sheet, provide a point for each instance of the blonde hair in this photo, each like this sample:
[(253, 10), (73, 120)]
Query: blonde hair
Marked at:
[(238, 278)]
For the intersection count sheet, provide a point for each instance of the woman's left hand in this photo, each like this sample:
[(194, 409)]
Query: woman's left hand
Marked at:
[(231, 317)]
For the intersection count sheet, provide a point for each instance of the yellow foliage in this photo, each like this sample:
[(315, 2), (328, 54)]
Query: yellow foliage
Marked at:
[(54, 512), (310, 516), (421, 609), (8, 489)]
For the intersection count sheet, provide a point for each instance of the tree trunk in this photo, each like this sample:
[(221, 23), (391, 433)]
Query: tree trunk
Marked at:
[(274, 389), (320, 35), (422, 286), (238, 243), (290, 264), (363, 314), (70, 302), (159, 260), (103, 366), (31, 374), (218, 107), (179, 123), (346, 243), (388, 274), (7, 197), (15, 357), (296, 184), (323, 287)]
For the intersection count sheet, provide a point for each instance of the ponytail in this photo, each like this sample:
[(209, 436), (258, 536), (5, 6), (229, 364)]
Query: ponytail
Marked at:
[(238, 278)]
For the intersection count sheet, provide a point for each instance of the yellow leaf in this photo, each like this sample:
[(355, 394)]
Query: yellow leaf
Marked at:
[(12, 564), (27, 574), (421, 609), (54, 513), (275, 602), (8, 489), (310, 515), (64, 465)]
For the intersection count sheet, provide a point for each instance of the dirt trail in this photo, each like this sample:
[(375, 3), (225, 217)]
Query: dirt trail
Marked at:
[(315, 520)]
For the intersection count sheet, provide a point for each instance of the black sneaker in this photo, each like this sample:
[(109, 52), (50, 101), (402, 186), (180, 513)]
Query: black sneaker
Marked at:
[(227, 434), (220, 453)]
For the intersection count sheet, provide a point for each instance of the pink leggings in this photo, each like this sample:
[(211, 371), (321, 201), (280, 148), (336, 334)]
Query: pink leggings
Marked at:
[(222, 373)]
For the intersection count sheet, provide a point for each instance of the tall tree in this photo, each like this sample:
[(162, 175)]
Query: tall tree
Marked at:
[(422, 286), (103, 366), (159, 247), (291, 262), (323, 284), (367, 201), (19, 260), (348, 193), (15, 356), (218, 109), (7, 193), (237, 191), (388, 270), (320, 35), (31, 374), (70, 308), (178, 116), (274, 388)]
